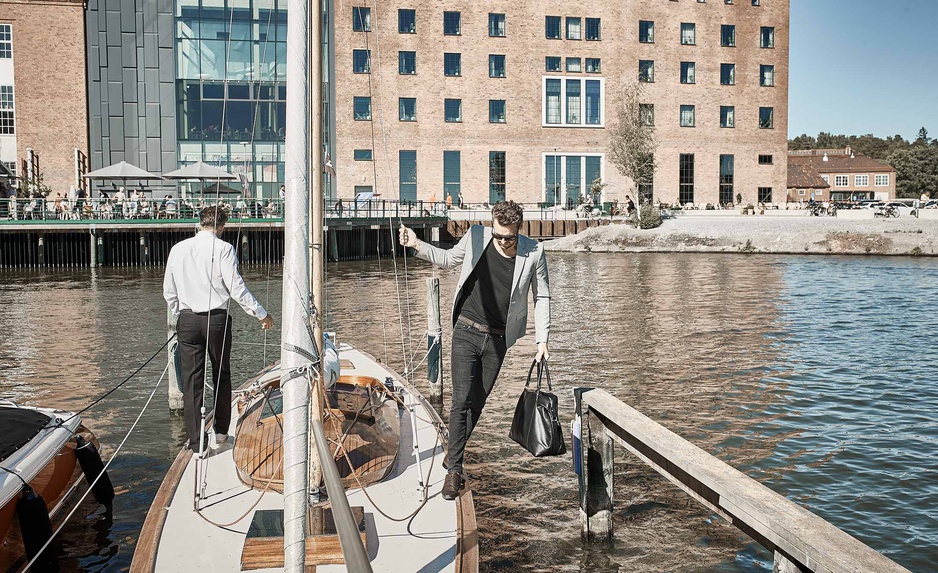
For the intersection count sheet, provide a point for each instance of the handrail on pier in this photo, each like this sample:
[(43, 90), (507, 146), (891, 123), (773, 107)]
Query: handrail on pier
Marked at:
[(356, 559), (800, 540)]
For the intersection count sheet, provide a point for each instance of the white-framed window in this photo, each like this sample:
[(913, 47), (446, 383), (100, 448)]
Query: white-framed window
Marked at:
[(841, 180), (882, 180), (801, 191), (6, 41), (7, 119), (11, 166), (568, 177), (861, 180), (826, 179), (573, 102)]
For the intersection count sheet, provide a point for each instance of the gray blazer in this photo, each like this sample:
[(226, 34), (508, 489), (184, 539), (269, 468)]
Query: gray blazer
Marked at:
[(530, 274)]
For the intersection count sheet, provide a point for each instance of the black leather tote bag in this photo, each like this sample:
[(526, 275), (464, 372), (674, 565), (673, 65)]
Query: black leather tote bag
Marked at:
[(535, 425)]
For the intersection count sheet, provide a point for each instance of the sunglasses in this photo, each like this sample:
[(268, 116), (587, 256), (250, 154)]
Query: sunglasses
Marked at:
[(505, 238)]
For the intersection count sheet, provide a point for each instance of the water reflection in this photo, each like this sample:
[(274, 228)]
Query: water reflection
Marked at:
[(773, 364)]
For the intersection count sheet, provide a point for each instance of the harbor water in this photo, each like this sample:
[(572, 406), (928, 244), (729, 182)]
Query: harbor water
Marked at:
[(814, 375)]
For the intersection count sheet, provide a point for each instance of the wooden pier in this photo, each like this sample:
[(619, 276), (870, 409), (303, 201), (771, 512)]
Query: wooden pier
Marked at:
[(800, 540)]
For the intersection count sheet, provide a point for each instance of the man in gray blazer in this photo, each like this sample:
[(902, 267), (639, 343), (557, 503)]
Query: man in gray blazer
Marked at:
[(490, 313)]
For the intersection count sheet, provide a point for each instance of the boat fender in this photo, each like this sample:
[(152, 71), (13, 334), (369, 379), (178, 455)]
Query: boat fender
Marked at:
[(92, 466), (35, 526)]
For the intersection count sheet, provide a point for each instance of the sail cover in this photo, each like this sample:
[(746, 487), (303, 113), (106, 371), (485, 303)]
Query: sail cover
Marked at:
[(17, 427)]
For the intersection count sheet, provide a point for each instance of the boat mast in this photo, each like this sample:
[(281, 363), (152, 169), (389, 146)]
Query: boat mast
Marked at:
[(317, 205), (297, 348)]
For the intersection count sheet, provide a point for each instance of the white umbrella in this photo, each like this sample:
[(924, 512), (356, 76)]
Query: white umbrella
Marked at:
[(200, 171), (122, 171)]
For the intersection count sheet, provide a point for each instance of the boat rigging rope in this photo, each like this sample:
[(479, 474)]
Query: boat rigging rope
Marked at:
[(106, 466)]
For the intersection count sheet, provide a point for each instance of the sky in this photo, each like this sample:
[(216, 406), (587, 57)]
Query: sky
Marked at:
[(863, 66)]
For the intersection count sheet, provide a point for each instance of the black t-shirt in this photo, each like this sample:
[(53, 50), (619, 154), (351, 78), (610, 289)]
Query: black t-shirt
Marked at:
[(487, 291)]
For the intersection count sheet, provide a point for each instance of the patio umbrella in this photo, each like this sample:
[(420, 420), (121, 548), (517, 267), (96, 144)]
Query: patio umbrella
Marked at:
[(123, 172), (200, 172)]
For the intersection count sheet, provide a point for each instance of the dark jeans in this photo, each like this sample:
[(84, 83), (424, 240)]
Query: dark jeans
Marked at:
[(191, 331), (476, 360)]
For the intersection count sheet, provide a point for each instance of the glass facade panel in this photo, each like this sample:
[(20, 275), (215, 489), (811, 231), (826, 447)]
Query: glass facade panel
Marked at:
[(408, 176)]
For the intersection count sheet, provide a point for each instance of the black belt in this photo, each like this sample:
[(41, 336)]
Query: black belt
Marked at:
[(483, 328), (213, 312)]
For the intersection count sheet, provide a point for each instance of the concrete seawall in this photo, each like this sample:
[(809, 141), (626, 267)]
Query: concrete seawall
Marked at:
[(778, 235)]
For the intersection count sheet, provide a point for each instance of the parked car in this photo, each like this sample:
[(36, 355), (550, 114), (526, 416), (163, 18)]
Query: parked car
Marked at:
[(868, 204)]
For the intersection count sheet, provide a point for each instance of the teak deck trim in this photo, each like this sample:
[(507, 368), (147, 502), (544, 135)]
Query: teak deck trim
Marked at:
[(144, 560)]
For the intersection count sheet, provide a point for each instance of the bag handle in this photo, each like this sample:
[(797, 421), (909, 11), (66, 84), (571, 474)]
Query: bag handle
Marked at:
[(542, 372)]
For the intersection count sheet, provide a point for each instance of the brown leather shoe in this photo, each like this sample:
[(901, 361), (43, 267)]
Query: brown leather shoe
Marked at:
[(451, 486)]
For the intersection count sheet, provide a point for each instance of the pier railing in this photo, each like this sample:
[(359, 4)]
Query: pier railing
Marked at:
[(800, 540)]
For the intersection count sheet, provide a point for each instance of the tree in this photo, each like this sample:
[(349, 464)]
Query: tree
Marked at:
[(916, 170), (632, 142), (923, 138)]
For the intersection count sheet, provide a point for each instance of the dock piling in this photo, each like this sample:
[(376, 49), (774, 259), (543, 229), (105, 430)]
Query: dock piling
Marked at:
[(598, 467), (94, 249), (434, 341)]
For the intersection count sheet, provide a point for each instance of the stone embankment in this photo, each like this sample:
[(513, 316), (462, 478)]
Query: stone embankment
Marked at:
[(782, 235)]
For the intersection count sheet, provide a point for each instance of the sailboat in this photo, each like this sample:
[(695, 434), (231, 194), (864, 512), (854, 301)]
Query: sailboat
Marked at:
[(326, 413)]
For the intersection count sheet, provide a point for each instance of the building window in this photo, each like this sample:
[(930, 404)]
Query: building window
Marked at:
[(552, 27), (573, 65), (727, 169), (361, 19), (363, 155), (687, 116), (593, 28), (766, 76), (362, 109), (552, 64), (826, 179), (573, 102), (573, 29), (646, 114), (453, 110), (728, 35), (688, 33), (841, 181), (727, 116), (11, 167), (756, 2), (686, 178), (408, 176), (406, 21), (452, 23), (496, 176), (593, 65), (496, 111), (408, 107), (452, 183), (452, 64), (688, 73), (496, 27), (765, 160), (646, 31), (407, 63), (766, 120), (861, 180), (767, 37), (765, 194), (6, 41), (7, 119), (882, 180), (646, 71), (727, 74), (496, 66), (361, 61)]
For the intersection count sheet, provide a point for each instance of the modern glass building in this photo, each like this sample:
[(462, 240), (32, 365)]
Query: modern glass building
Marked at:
[(231, 87)]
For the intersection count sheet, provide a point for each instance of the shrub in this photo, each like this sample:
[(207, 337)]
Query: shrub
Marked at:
[(648, 216)]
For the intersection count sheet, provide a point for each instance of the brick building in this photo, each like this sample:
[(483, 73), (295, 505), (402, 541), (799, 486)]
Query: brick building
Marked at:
[(494, 99), (43, 104), (838, 175)]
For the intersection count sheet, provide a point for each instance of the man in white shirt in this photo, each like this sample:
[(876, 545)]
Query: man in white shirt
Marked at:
[(201, 276)]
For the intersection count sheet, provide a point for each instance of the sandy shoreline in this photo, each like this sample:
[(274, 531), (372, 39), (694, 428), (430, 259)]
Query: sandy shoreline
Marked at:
[(906, 236)]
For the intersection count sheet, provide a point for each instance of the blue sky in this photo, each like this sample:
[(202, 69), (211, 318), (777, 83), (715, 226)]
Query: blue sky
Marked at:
[(864, 66)]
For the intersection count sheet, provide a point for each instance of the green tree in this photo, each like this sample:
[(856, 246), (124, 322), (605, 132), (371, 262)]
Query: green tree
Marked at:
[(916, 171), (632, 143)]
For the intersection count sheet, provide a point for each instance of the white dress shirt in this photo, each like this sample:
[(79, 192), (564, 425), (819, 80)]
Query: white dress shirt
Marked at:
[(202, 274)]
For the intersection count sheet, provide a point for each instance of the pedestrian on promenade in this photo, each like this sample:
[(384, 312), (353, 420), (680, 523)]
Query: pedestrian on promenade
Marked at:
[(629, 206), (338, 207), (461, 201), (201, 277), (490, 313)]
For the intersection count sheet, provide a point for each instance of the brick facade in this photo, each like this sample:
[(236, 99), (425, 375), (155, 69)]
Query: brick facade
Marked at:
[(523, 137), (50, 87)]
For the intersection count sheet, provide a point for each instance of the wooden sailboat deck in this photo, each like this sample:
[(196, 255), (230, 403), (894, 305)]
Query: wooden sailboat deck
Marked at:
[(441, 537)]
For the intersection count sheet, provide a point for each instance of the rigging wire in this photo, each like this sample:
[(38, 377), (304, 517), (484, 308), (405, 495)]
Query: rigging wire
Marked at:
[(93, 483)]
